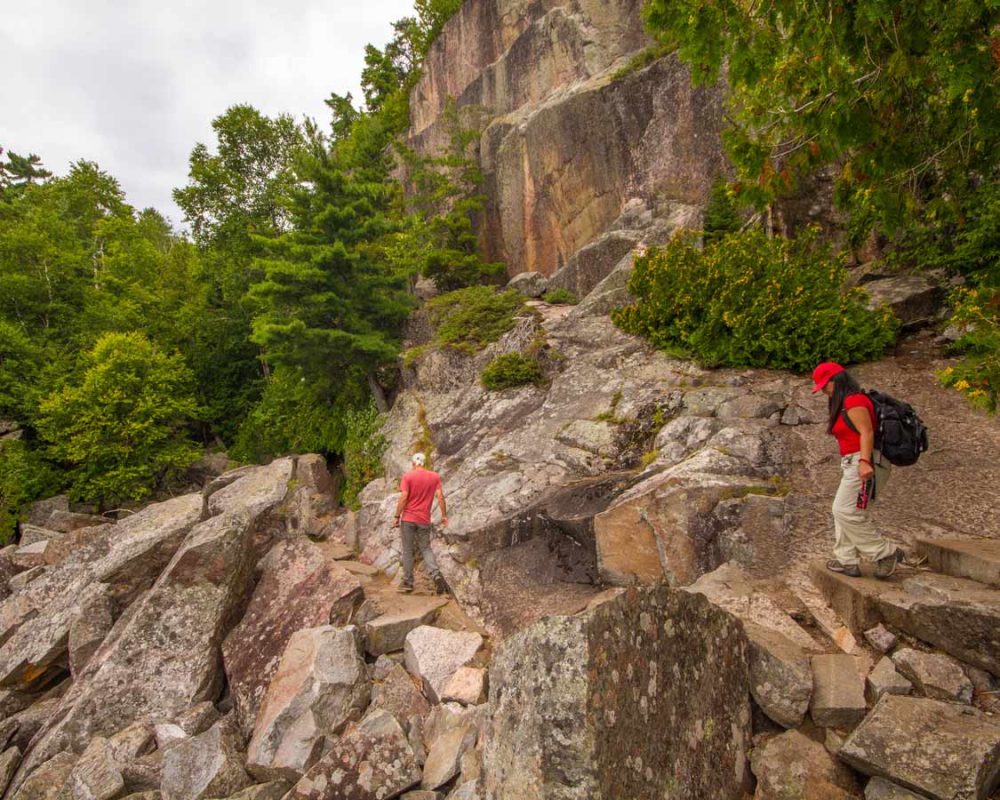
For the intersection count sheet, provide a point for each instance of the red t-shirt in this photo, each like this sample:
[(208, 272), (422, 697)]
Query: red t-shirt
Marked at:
[(849, 441), (421, 484)]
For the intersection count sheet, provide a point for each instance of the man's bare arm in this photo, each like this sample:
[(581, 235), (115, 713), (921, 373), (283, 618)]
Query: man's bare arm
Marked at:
[(400, 506), (439, 494)]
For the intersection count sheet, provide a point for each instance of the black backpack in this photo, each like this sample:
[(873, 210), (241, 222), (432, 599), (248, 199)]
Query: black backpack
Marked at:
[(900, 435)]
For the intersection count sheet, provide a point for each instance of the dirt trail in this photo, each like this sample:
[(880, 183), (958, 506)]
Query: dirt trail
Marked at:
[(954, 490)]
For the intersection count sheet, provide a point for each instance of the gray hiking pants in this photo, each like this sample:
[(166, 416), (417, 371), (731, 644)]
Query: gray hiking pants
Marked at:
[(856, 536), (411, 531)]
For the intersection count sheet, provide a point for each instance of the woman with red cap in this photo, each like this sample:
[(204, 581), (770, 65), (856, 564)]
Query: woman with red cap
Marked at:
[(852, 422)]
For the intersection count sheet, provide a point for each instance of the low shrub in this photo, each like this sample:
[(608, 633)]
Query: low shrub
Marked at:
[(560, 296), (977, 376), (469, 319), (510, 370), (364, 447), (750, 300)]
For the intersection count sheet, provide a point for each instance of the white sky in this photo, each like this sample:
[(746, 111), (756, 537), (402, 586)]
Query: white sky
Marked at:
[(134, 84)]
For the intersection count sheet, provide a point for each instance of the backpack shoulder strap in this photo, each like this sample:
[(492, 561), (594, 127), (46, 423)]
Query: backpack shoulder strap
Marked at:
[(847, 419)]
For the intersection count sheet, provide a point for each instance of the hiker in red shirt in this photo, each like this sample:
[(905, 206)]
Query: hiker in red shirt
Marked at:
[(863, 475), (419, 487)]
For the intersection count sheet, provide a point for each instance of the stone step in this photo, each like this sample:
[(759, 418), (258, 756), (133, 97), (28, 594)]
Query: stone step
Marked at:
[(977, 559), (958, 615)]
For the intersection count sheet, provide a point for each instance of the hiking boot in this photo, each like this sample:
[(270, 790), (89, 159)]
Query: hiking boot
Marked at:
[(440, 587), (884, 567), (406, 587), (850, 570)]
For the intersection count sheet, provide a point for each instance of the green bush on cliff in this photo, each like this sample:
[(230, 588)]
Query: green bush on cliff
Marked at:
[(560, 296), (750, 300), (364, 447), (977, 376), (510, 370), (469, 319), (123, 429)]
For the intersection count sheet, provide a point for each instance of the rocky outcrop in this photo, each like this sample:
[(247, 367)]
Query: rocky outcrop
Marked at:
[(373, 760), (650, 660), (300, 588), (941, 750), (163, 655), (571, 134), (532, 474), (320, 686), (35, 622)]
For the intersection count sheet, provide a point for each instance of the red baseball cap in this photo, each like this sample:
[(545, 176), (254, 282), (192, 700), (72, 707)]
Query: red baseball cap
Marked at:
[(823, 373)]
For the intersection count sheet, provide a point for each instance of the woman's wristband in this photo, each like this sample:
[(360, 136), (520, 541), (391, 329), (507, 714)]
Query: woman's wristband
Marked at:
[(866, 461)]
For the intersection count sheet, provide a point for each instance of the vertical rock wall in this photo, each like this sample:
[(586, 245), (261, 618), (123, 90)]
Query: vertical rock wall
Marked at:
[(570, 134)]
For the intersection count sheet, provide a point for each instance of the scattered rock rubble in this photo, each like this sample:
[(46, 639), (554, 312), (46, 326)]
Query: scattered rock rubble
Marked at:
[(217, 652)]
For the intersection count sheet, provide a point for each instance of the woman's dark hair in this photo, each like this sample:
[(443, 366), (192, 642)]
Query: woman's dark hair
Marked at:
[(843, 385)]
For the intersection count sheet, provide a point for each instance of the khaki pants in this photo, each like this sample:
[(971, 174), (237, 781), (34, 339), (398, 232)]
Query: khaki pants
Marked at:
[(854, 527)]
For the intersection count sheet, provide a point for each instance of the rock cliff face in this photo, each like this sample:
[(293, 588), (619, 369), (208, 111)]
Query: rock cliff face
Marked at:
[(570, 134)]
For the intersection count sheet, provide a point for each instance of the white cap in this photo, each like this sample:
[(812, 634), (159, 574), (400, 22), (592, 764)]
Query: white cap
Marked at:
[(418, 459)]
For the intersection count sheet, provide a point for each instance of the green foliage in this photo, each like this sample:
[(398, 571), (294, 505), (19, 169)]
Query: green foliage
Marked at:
[(363, 450), (750, 300), (721, 217), (902, 96), (977, 376), (643, 59), (326, 306), (19, 171), (510, 370), (24, 477), (440, 238), (560, 296), (296, 415), (469, 319), (122, 429)]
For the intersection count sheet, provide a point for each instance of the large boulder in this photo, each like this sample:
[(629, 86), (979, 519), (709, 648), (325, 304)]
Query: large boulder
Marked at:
[(35, 622), (688, 519), (300, 588), (934, 674), (387, 632), (163, 655), (320, 685), (957, 615), (47, 780), (449, 736), (793, 767), (95, 775), (942, 750), (574, 700), (371, 761), (914, 299), (397, 693), (781, 679), (205, 766), (530, 284), (434, 655)]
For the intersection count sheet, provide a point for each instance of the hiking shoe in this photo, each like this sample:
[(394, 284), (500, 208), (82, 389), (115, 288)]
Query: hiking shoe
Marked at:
[(440, 587), (850, 570), (406, 587), (884, 567)]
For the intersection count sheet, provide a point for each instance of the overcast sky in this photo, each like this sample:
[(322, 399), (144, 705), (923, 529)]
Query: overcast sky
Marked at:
[(134, 84)]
